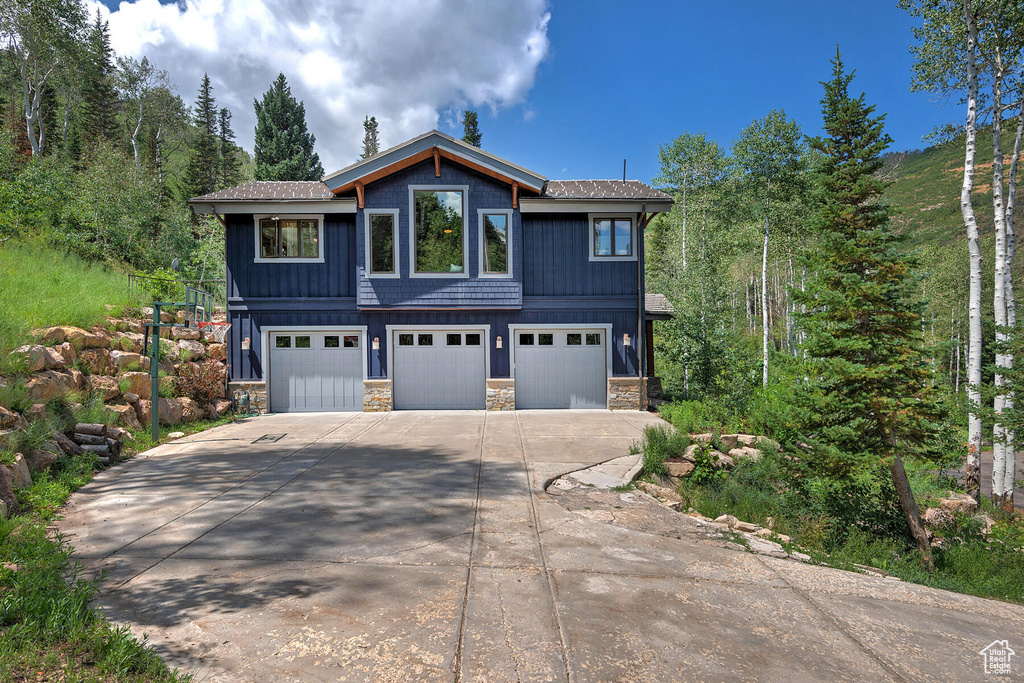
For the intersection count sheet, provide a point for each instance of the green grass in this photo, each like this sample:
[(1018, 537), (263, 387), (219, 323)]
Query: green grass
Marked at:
[(48, 630), (844, 524), (42, 287)]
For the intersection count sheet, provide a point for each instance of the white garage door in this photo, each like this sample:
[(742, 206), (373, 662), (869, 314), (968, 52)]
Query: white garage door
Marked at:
[(316, 371), (438, 369), (561, 368)]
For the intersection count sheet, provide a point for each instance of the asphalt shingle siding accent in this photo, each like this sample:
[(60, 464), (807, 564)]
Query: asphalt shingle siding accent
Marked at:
[(658, 303), (602, 189), (472, 292), (270, 190)]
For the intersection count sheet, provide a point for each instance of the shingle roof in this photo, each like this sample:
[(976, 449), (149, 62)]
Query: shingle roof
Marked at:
[(658, 305), (262, 190), (602, 189)]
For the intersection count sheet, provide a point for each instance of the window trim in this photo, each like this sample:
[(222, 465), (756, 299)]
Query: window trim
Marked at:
[(413, 189), (321, 234), (367, 213), (481, 273), (632, 217)]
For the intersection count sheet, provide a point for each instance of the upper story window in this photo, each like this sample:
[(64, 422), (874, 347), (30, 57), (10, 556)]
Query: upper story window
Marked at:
[(381, 242), (612, 238), (289, 239), (438, 231), (495, 243)]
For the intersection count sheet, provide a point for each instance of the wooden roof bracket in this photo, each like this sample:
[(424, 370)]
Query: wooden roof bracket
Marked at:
[(515, 195), (437, 163), (359, 194)]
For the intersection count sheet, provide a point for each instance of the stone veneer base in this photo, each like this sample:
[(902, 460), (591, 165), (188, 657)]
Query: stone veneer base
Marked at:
[(257, 394), (501, 394), (627, 393), (377, 396)]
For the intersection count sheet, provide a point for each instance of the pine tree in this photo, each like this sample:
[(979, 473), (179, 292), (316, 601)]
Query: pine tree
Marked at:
[(230, 166), (470, 130), (99, 97), (371, 144), (869, 398), (203, 171), (283, 145)]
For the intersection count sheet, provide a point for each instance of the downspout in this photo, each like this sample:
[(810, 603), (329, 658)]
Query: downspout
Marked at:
[(641, 354)]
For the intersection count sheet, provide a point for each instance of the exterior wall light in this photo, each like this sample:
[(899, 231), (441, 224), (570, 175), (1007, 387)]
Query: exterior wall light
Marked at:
[(497, 342), (376, 343), (625, 339)]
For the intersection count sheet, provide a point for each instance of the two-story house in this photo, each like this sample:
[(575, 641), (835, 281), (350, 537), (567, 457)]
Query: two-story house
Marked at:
[(437, 276)]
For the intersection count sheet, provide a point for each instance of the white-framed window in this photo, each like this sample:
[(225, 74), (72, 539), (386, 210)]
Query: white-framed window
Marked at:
[(495, 242), (289, 238), (381, 237), (438, 238), (612, 237)]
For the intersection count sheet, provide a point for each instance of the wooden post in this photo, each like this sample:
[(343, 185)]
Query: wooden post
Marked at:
[(649, 343), (437, 166)]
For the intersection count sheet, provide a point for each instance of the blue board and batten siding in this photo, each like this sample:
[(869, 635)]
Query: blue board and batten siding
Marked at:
[(554, 282)]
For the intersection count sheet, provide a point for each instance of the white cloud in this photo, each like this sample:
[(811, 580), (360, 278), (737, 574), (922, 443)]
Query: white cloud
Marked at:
[(407, 62)]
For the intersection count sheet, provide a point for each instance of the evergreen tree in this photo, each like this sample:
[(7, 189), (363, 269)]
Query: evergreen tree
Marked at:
[(230, 166), (470, 130), (869, 396), (99, 96), (203, 172), (283, 145), (371, 144)]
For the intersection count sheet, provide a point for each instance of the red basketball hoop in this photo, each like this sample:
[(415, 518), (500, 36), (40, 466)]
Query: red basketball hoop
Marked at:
[(214, 331)]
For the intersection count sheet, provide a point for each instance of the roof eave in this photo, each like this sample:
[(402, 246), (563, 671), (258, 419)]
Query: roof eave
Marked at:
[(586, 205), (234, 206)]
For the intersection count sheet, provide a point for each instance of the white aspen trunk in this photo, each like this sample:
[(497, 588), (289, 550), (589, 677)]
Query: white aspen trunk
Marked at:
[(764, 290), (685, 183), (999, 288), (135, 135), (1010, 468), (972, 478)]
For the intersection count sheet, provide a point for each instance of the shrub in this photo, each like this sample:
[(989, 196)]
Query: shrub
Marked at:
[(705, 470), (202, 383)]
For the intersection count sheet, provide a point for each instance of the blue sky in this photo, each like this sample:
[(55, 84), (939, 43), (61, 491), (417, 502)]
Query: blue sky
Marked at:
[(566, 88), (623, 77)]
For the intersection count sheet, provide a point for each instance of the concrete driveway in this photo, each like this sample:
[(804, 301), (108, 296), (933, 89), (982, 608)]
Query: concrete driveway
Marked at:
[(420, 546)]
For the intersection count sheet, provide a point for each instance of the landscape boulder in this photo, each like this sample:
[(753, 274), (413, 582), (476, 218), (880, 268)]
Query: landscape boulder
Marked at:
[(165, 316), (7, 497), (126, 416), (679, 469), (661, 493), (727, 520), (170, 411), (130, 341), (68, 353), (43, 386), (189, 333), (37, 357), (221, 407), (936, 517), (217, 351), (128, 361), (745, 453), (104, 386), (21, 478), (99, 338), (729, 441), (958, 503), (137, 383), (40, 459), (36, 412), (50, 335), (77, 378), (190, 410), (96, 361), (723, 461), (190, 350), (8, 418)]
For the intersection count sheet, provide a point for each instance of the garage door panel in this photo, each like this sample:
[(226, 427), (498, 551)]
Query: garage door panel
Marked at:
[(313, 371), (561, 368), (431, 373)]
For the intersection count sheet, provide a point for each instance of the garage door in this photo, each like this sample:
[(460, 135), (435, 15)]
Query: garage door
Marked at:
[(316, 371), (438, 369), (561, 368)]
